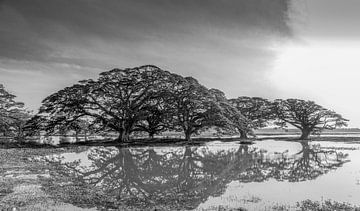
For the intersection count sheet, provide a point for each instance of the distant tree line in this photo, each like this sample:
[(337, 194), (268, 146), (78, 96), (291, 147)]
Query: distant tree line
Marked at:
[(149, 99)]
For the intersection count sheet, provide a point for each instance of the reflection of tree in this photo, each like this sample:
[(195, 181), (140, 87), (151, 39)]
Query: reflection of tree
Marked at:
[(181, 178), (311, 162), (125, 176)]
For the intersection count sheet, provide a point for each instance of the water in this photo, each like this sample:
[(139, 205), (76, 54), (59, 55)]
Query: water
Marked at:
[(229, 175)]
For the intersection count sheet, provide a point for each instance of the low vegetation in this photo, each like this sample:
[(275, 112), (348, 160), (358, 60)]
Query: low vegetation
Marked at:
[(327, 205)]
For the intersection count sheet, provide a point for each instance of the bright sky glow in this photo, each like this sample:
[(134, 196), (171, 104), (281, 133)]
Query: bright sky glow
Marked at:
[(326, 72)]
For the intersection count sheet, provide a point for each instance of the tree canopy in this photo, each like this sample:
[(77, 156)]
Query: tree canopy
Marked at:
[(149, 99), (13, 115), (236, 121), (258, 111), (116, 101), (144, 98), (307, 116), (195, 108)]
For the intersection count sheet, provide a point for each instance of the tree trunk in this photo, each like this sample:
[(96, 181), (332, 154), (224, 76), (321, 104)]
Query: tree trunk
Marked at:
[(243, 149), (77, 136), (243, 134), (20, 134), (305, 146), (306, 151), (151, 135), (124, 136), (305, 133), (188, 135)]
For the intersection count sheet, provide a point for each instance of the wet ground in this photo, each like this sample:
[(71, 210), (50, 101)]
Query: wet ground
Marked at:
[(271, 174)]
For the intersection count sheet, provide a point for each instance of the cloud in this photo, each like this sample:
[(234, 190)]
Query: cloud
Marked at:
[(327, 19), (39, 30), (224, 43)]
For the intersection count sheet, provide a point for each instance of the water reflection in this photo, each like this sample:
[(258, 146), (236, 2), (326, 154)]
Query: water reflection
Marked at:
[(178, 177)]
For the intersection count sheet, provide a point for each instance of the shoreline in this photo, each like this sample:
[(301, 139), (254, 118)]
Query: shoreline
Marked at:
[(145, 142), (22, 172)]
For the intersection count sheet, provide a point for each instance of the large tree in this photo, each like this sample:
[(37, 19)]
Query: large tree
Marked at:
[(13, 115), (195, 108), (117, 101), (235, 120), (157, 120), (258, 112), (307, 116)]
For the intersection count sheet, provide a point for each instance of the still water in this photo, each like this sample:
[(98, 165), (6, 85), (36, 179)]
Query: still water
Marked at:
[(226, 174)]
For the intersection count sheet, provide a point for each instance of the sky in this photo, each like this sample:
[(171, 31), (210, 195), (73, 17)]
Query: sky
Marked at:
[(273, 49), (321, 62)]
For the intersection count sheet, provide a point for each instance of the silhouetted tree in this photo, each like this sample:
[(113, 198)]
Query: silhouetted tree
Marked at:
[(116, 101), (13, 115), (307, 116), (236, 121), (194, 107), (257, 111), (157, 120)]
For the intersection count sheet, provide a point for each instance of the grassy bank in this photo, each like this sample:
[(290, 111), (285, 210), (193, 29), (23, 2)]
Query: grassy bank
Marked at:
[(19, 178)]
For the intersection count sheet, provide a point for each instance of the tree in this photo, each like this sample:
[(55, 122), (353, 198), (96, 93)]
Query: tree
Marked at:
[(256, 110), (117, 101), (13, 115), (79, 126), (313, 162), (235, 121), (307, 116), (59, 113), (157, 120), (194, 107)]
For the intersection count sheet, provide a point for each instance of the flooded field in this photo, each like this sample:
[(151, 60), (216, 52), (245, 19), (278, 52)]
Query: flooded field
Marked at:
[(262, 176)]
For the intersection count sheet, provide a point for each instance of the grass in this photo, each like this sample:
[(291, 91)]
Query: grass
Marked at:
[(110, 142), (6, 143), (306, 205), (327, 205), (19, 183)]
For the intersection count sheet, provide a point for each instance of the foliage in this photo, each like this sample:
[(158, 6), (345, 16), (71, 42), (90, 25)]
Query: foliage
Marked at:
[(149, 99), (158, 118), (13, 115), (257, 110), (195, 108), (236, 121), (139, 99), (145, 98), (307, 116), (117, 101)]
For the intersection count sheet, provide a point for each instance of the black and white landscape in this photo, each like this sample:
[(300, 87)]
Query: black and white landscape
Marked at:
[(179, 105)]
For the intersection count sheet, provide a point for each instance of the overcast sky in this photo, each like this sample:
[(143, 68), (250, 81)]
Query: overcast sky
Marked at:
[(272, 49)]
